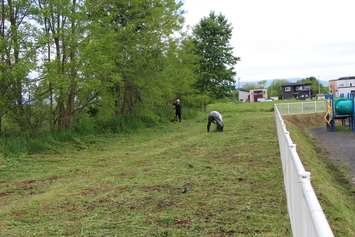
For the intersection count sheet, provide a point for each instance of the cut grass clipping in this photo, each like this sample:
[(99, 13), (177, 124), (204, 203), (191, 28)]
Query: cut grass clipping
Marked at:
[(171, 180)]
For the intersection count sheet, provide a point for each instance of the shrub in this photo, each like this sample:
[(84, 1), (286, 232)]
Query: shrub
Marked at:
[(85, 126), (13, 144)]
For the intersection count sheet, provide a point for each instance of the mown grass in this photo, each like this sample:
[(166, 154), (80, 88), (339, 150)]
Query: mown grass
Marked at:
[(171, 180)]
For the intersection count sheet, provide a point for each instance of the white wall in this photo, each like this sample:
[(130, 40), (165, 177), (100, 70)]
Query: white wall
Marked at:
[(344, 86), (243, 96)]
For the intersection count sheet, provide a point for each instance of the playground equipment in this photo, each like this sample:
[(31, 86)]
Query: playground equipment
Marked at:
[(342, 109)]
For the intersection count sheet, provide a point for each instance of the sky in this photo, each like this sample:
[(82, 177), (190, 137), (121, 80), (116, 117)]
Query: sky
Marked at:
[(282, 39)]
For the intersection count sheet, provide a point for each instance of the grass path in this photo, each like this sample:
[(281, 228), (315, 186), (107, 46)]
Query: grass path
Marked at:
[(173, 180)]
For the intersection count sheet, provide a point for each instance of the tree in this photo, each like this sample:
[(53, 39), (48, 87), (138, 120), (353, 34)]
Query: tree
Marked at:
[(216, 72), (17, 52), (252, 86), (132, 37), (249, 86), (316, 87), (261, 84), (179, 71), (121, 56), (62, 33), (275, 89)]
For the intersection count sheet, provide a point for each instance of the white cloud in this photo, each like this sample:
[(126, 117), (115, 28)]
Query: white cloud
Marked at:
[(285, 39)]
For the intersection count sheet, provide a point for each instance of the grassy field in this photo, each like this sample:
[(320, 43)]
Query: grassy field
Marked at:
[(172, 180)]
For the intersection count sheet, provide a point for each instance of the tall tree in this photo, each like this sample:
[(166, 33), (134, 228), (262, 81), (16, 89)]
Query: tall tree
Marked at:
[(63, 24), (178, 73), (261, 84), (250, 86), (316, 87), (275, 89), (17, 54), (133, 37), (216, 73), (120, 55)]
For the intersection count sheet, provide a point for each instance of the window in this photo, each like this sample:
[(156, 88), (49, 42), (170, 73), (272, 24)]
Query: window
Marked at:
[(287, 88), (298, 88)]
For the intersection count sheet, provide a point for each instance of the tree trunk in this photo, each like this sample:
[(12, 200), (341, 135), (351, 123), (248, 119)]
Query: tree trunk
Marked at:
[(73, 73), (70, 113), (118, 103)]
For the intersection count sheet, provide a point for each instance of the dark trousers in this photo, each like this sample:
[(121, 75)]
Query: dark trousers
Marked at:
[(178, 115)]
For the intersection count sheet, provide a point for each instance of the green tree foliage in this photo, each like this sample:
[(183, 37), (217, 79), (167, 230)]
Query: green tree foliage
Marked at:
[(316, 87), (250, 86), (179, 71), (111, 57), (62, 26), (275, 89), (17, 52), (132, 41), (216, 73), (261, 84)]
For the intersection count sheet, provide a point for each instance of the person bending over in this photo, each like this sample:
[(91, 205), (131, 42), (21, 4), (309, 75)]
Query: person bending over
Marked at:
[(215, 117)]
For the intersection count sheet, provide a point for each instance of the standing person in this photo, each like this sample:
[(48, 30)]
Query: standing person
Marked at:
[(215, 117), (178, 109)]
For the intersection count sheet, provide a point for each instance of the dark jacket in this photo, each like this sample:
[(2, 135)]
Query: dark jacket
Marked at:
[(178, 107)]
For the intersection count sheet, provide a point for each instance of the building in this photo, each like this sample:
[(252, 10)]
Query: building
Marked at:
[(320, 97), (332, 87), (343, 85), (243, 95), (258, 94), (298, 90)]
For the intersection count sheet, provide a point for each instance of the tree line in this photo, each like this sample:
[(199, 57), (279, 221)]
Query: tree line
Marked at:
[(61, 60), (275, 89)]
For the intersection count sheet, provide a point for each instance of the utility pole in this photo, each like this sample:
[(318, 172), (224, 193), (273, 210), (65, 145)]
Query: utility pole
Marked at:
[(318, 86), (238, 88)]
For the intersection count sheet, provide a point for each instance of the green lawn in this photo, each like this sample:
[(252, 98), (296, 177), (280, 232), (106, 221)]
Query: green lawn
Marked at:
[(173, 180)]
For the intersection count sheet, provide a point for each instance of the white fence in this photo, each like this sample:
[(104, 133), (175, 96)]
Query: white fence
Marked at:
[(302, 107), (306, 215)]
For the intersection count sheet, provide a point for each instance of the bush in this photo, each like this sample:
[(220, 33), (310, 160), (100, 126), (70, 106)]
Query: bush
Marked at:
[(37, 145), (15, 145), (164, 113), (85, 126), (126, 123), (189, 113)]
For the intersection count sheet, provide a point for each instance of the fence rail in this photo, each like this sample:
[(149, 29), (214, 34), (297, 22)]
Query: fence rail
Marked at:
[(302, 107), (306, 215)]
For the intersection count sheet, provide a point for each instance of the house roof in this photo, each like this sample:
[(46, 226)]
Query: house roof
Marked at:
[(241, 89), (346, 78), (296, 84)]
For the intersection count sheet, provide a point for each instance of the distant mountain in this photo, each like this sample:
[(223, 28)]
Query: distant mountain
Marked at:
[(294, 79)]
